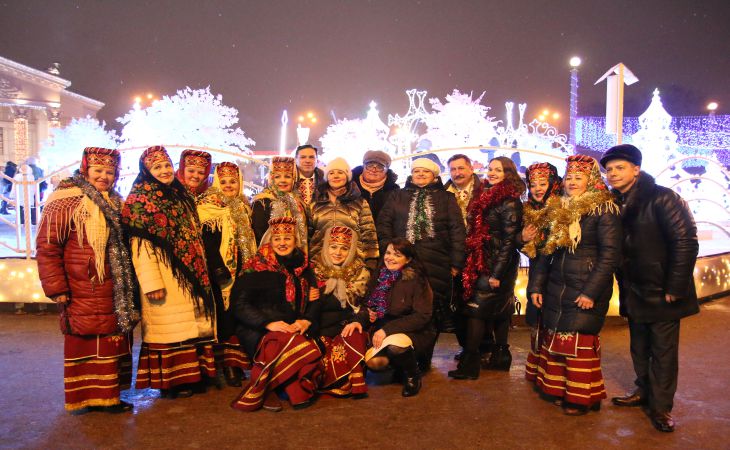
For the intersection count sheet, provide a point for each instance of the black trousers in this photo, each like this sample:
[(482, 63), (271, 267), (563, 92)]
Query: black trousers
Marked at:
[(655, 354)]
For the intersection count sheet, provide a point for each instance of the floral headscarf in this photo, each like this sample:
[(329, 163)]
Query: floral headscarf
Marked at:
[(165, 216)]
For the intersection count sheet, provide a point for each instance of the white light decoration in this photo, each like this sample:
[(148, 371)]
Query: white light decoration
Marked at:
[(655, 138), (575, 61)]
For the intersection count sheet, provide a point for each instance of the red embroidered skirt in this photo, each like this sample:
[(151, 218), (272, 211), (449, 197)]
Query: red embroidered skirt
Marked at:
[(533, 355), (343, 365), (570, 367), (95, 369), (231, 354), (282, 359), (164, 366)]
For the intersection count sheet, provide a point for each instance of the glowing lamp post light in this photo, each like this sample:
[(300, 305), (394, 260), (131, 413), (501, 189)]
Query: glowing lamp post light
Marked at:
[(574, 64), (711, 108), (303, 131)]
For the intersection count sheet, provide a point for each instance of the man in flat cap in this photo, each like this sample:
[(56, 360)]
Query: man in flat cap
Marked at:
[(655, 279), (375, 179)]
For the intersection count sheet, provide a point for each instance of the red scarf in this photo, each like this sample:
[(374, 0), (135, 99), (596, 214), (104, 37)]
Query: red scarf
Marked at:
[(265, 260), (478, 235)]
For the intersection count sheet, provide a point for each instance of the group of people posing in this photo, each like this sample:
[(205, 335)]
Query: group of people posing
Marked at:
[(328, 273)]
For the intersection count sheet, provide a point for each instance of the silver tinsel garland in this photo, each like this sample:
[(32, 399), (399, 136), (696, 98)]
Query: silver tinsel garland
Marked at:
[(124, 284)]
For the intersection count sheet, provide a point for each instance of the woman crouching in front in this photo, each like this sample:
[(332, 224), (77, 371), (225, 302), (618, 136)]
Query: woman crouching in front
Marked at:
[(399, 308), (275, 304)]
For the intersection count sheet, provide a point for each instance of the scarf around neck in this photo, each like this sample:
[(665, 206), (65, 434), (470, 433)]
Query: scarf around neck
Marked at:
[(165, 216), (265, 260), (478, 236), (95, 216), (232, 217), (377, 301)]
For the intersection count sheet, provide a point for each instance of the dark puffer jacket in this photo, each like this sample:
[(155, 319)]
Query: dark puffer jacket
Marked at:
[(377, 199), (259, 298), (660, 251), (503, 261), (438, 253), (350, 210), (67, 266), (563, 276)]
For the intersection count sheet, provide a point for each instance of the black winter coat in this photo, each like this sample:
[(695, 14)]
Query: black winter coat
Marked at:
[(659, 254), (218, 274), (377, 199), (259, 298), (333, 317), (563, 276), (438, 253), (502, 260)]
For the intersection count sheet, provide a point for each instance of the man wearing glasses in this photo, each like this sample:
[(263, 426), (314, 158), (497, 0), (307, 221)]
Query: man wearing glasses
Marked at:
[(375, 179)]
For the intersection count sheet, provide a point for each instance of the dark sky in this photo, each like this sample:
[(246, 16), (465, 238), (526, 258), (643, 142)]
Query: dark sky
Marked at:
[(265, 56)]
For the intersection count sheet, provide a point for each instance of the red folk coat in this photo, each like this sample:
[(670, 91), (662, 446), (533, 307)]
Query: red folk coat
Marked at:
[(67, 266)]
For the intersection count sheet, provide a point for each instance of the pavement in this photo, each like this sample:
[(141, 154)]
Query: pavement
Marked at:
[(499, 410)]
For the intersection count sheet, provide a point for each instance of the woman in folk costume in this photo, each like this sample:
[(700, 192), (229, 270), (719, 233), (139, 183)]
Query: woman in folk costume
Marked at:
[(338, 202), (494, 218), (193, 170), (572, 283), (543, 183), (225, 216), (276, 303), (342, 278), (398, 314), (428, 216), (168, 255), (85, 266), (279, 200)]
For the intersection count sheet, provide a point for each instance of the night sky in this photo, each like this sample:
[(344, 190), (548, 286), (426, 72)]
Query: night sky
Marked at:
[(266, 56)]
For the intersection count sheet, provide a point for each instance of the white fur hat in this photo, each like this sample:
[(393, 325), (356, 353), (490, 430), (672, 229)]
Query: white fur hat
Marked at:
[(425, 163), (339, 164)]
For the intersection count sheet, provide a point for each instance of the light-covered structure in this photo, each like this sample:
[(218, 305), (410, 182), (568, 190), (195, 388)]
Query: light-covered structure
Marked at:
[(32, 102)]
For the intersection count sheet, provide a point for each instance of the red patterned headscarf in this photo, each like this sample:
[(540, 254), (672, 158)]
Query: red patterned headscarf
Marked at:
[(194, 158), (99, 156)]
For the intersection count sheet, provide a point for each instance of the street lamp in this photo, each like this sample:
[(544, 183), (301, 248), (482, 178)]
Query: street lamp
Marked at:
[(712, 107), (574, 64)]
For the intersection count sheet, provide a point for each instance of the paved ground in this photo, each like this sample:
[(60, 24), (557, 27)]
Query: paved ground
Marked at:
[(497, 411)]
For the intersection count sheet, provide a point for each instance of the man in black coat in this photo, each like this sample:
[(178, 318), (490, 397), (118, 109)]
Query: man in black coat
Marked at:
[(375, 179), (655, 278)]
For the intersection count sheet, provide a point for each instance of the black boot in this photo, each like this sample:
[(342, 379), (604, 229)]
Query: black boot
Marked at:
[(468, 367), (406, 362), (233, 376), (500, 359)]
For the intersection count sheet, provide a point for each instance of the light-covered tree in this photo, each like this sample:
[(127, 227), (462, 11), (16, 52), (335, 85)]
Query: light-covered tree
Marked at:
[(65, 145), (191, 117), (351, 138), (459, 121)]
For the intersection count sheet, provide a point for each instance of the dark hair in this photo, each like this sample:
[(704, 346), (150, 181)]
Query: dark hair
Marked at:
[(510, 173), (459, 156), (306, 146), (405, 247)]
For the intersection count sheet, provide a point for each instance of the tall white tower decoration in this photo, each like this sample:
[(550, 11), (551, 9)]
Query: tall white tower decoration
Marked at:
[(616, 77), (379, 130), (657, 142)]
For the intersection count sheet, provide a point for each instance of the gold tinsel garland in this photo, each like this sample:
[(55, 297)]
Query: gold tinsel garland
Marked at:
[(564, 214), (538, 218)]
